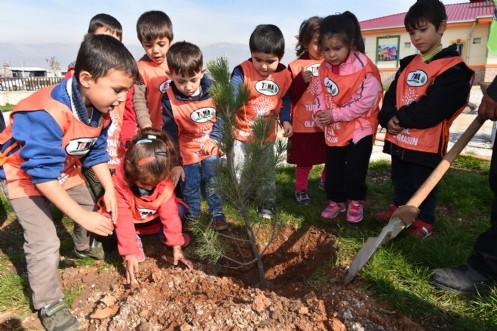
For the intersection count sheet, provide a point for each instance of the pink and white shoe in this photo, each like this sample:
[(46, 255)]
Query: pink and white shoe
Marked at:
[(333, 209), (355, 212)]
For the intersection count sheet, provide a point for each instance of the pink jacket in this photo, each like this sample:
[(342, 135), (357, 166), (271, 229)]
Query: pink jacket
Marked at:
[(362, 100)]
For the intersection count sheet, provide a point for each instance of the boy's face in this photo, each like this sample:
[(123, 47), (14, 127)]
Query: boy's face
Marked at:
[(157, 49), (425, 37), (265, 63), (189, 86), (107, 92), (313, 47), (335, 51)]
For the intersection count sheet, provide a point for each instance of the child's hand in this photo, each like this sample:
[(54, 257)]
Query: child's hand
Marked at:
[(307, 75), (287, 129), (393, 126), (95, 222), (111, 204), (179, 257), (176, 174), (210, 147), (131, 269), (323, 117)]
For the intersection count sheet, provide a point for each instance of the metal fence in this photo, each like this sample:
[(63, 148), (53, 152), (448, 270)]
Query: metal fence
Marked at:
[(27, 84)]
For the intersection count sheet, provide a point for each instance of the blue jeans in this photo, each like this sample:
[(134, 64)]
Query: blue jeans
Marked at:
[(194, 173)]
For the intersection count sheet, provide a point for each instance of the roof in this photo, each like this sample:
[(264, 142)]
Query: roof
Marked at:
[(25, 69), (457, 12)]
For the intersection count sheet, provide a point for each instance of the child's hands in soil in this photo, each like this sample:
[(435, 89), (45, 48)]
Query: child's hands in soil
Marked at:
[(179, 257)]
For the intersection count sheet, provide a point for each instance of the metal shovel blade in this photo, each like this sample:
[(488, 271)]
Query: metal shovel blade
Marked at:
[(390, 231)]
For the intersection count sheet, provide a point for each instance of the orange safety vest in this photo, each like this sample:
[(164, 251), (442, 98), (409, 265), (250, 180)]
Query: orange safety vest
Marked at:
[(77, 140), (143, 211), (195, 120), (265, 100), (155, 78), (302, 110), (115, 148), (339, 89), (412, 84)]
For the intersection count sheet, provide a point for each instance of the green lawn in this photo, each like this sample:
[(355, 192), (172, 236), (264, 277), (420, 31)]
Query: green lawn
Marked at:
[(397, 274)]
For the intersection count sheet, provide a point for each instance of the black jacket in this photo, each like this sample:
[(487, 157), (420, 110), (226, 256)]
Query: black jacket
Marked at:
[(447, 94)]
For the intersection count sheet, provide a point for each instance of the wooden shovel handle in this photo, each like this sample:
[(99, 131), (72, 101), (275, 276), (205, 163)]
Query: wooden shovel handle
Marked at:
[(444, 165)]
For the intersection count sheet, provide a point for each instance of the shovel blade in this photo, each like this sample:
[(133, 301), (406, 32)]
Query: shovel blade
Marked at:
[(361, 259)]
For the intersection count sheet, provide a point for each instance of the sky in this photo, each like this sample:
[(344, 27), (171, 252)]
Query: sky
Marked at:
[(202, 22)]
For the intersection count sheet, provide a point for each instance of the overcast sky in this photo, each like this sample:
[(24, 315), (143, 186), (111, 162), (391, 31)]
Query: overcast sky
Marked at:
[(202, 22)]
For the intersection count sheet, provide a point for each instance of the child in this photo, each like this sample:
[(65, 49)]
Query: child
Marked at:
[(146, 200), (429, 90), (67, 125), (190, 120), (155, 33), (348, 90), (306, 147), (267, 47), (100, 24)]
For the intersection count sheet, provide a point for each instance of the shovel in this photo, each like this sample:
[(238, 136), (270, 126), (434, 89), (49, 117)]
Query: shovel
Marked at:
[(405, 215)]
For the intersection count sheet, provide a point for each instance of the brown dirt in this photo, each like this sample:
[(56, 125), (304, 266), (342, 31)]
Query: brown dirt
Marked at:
[(174, 298)]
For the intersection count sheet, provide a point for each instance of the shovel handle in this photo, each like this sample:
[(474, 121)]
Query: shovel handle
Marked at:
[(444, 165)]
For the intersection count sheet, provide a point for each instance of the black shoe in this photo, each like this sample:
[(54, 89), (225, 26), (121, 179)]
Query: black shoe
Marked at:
[(57, 317), (461, 279), (302, 198), (266, 213), (95, 251), (218, 222)]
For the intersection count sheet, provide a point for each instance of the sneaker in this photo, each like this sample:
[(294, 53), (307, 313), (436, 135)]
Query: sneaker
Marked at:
[(461, 279), (140, 257), (267, 213), (355, 211), (57, 317), (321, 185), (95, 251), (302, 198), (333, 209), (218, 222), (420, 229), (385, 215), (187, 238)]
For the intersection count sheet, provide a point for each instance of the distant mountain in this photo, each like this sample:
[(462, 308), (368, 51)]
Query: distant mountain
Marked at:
[(36, 55)]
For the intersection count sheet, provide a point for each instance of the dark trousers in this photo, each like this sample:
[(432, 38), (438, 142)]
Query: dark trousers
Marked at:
[(407, 178), (484, 258), (346, 170)]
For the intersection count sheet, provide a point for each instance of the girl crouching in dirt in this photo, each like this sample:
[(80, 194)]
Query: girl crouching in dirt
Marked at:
[(146, 200)]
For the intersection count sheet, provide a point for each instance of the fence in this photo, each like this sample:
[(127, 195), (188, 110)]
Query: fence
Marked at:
[(27, 84)]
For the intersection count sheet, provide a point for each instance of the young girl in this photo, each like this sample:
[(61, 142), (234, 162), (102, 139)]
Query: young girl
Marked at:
[(348, 90), (146, 200), (306, 147)]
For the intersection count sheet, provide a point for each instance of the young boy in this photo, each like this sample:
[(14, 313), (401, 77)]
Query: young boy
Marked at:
[(262, 71), (190, 121), (429, 90), (155, 33), (67, 125)]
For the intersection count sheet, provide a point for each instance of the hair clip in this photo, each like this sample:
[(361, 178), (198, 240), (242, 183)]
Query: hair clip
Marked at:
[(163, 153), (143, 141), (146, 160)]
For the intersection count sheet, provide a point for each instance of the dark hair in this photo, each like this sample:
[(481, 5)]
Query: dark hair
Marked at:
[(432, 11), (184, 58), (150, 157), (268, 39), (306, 31), (108, 22), (154, 24), (344, 26), (100, 53)]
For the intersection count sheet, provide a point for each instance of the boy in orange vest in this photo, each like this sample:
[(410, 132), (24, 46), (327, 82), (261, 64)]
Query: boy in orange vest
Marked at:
[(155, 33), (68, 126), (268, 81), (429, 90), (191, 122)]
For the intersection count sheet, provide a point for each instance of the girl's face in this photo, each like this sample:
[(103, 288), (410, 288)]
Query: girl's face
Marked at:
[(145, 184), (313, 47), (334, 50)]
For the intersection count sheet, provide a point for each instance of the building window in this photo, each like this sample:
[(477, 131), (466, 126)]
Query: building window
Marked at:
[(407, 44), (460, 46), (476, 40)]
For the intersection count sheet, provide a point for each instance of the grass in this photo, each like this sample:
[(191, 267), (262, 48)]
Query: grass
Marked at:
[(398, 274), (7, 107)]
